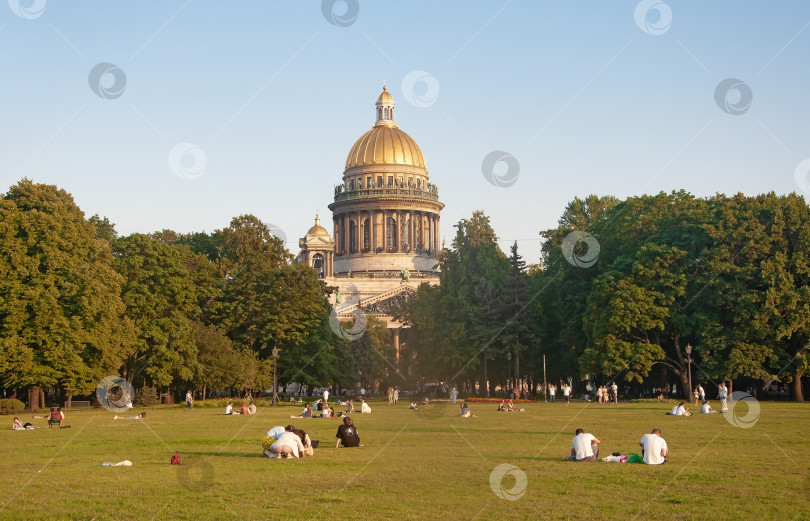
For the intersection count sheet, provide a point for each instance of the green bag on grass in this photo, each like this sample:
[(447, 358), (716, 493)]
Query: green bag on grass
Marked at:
[(635, 458)]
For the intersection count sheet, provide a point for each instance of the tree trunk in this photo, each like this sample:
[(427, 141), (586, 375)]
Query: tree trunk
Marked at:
[(33, 399), (797, 386), (68, 398), (486, 380), (204, 387)]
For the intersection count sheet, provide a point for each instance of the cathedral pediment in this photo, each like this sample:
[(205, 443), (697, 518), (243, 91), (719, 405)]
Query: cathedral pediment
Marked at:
[(386, 302)]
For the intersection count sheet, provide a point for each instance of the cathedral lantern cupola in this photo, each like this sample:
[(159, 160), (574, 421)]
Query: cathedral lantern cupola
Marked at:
[(385, 108)]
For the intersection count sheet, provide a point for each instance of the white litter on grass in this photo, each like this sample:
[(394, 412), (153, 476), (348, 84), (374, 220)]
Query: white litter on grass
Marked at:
[(125, 463)]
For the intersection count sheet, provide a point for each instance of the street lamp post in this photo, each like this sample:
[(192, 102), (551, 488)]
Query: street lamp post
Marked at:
[(689, 366), (509, 363), (275, 375)]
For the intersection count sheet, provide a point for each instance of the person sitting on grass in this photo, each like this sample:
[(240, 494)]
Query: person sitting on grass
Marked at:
[(426, 401), (306, 413), (251, 408), (464, 411), (307, 442), (364, 407), (229, 409), (502, 406), (244, 409), (510, 406), (347, 434), (350, 407), (412, 406), (17, 425), (584, 447), (136, 417), (706, 408), (654, 448), (680, 410), (326, 412)]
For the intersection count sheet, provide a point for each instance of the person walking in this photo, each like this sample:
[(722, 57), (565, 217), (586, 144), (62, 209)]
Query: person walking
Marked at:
[(701, 393), (566, 394), (615, 389), (552, 393), (453, 395), (189, 399), (390, 395), (395, 395)]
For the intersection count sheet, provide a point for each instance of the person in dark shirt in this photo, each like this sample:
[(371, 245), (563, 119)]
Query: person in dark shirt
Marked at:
[(347, 433)]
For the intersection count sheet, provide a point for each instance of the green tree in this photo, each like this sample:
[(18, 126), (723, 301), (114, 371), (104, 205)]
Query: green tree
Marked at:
[(161, 299), (61, 315)]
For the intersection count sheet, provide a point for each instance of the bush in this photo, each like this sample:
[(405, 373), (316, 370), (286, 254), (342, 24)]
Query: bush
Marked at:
[(146, 397), (11, 406)]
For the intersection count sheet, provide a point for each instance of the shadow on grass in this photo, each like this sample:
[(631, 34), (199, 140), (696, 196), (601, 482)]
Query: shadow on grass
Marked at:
[(257, 454)]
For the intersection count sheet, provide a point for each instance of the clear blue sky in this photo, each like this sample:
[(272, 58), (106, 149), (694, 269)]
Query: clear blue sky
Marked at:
[(274, 95)]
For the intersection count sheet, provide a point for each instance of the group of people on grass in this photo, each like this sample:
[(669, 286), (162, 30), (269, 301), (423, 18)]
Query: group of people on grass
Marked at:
[(246, 409), (585, 448), (607, 394), (509, 406), (682, 410), (291, 442), (322, 409)]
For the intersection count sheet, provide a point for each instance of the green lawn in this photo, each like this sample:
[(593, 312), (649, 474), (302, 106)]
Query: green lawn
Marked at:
[(420, 465)]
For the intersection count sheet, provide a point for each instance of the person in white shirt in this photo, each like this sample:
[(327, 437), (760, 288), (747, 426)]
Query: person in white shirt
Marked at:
[(707, 409), (364, 408), (584, 447), (615, 389), (680, 410), (654, 448), (566, 394), (702, 393), (326, 396), (229, 408), (287, 445)]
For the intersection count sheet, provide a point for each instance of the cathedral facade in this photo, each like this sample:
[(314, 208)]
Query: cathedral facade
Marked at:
[(385, 223)]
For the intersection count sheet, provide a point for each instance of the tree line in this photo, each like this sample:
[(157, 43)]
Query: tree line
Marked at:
[(166, 311), (622, 288)]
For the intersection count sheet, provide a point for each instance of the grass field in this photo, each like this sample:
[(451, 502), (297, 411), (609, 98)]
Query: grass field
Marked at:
[(426, 464)]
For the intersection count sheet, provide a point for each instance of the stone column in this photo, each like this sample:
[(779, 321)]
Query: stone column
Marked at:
[(399, 232), (384, 233), (346, 233), (372, 218), (395, 332), (411, 238)]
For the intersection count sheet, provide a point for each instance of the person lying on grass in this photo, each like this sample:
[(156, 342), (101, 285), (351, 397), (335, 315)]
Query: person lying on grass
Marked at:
[(136, 417)]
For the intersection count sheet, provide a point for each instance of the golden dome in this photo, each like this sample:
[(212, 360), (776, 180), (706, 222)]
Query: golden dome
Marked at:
[(318, 229), (385, 95), (385, 145)]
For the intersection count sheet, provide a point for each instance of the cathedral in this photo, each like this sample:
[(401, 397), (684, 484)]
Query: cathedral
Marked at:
[(385, 224)]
